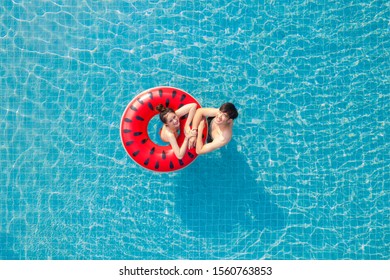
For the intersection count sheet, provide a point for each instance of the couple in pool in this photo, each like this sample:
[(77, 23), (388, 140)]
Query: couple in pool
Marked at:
[(220, 127)]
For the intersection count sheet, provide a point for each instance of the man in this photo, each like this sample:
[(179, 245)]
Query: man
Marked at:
[(220, 127)]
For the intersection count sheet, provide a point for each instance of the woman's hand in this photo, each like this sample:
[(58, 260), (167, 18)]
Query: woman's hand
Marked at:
[(190, 132)]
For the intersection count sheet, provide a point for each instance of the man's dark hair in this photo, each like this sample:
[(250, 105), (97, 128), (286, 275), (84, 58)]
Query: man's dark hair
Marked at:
[(229, 109)]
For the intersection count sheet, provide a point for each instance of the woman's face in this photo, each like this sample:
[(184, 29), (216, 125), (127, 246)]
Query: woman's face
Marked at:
[(172, 121)]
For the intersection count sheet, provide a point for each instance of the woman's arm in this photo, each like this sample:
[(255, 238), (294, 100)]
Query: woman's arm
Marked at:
[(190, 117), (178, 151), (186, 109), (189, 109)]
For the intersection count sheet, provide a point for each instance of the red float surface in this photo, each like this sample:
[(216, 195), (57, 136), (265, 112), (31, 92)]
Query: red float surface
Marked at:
[(134, 129)]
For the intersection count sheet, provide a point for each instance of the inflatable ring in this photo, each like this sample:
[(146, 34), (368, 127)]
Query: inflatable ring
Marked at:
[(134, 129)]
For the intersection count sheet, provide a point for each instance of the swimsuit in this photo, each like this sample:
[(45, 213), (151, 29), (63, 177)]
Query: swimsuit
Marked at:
[(209, 136)]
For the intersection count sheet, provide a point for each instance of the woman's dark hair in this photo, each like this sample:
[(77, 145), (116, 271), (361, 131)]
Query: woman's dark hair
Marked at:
[(163, 112), (229, 109)]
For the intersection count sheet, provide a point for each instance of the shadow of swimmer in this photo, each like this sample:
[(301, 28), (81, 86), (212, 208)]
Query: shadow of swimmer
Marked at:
[(223, 195)]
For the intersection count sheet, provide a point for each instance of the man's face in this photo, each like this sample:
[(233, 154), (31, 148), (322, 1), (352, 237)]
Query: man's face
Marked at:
[(221, 118)]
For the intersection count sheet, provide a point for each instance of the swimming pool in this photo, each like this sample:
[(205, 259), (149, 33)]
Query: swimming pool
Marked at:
[(306, 176)]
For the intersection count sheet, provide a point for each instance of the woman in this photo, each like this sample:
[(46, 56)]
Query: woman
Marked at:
[(170, 130)]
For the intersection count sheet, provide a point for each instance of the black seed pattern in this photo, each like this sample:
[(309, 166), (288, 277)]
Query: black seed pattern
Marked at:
[(143, 141)]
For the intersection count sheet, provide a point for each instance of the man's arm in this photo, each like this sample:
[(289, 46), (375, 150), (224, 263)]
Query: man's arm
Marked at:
[(203, 112), (209, 147)]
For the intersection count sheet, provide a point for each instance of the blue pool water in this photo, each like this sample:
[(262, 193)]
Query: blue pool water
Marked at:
[(305, 177)]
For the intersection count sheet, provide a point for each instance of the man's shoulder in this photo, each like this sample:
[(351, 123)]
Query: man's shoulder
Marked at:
[(223, 139), (227, 132)]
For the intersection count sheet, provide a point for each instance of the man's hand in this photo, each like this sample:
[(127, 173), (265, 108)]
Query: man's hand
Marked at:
[(192, 142)]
